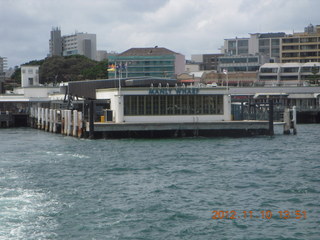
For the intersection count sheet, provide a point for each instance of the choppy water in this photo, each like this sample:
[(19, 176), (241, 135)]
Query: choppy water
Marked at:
[(57, 187)]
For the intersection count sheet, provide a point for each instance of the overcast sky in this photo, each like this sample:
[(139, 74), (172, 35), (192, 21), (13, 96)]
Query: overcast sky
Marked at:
[(184, 26)]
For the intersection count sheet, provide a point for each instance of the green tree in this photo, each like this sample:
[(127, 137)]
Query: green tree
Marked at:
[(314, 78)]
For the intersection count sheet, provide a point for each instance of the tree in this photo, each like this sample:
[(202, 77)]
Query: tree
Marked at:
[(58, 69), (314, 78)]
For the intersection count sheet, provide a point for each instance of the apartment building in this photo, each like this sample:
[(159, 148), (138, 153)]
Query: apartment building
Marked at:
[(302, 47)]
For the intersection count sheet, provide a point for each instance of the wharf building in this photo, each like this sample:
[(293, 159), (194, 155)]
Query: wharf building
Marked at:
[(150, 62), (79, 43)]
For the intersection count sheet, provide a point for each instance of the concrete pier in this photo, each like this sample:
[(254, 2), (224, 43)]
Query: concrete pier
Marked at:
[(154, 130)]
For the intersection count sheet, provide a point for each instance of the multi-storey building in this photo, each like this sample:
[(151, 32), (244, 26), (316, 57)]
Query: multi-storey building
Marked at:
[(241, 63), (302, 47), (248, 54), (55, 42), (236, 46), (78, 43), (267, 44), (155, 62)]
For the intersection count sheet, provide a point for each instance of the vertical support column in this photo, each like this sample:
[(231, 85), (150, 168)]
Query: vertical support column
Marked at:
[(294, 120), (69, 122), (65, 122), (31, 117), (50, 120), (91, 120), (39, 117), (8, 118), (271, 130), (54, 120), (42, 118), (80, 124), (62, 121), (75, 123), (46, 117), (286, 120)]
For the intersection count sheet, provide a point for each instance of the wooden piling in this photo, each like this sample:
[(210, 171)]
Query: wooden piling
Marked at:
[(62, 121), (39, 118), (294, 120), (271, 130), (80, 124), (46, 128), (75, 122), (42, 118), (50, 120), (69, 122), (287, 121), (54, 125), (91, 120)]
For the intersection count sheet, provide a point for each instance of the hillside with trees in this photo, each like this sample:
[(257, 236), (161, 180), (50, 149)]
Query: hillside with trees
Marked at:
[(64, 69)]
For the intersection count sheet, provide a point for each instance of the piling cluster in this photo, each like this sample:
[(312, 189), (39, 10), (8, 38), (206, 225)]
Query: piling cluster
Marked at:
[(67, 122)]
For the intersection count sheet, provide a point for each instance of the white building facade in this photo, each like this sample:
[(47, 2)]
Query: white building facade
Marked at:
[(29, 76), (167, 105)]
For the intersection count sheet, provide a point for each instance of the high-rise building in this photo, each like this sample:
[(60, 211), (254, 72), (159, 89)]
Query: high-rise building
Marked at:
[(55, 42), (79, 43)]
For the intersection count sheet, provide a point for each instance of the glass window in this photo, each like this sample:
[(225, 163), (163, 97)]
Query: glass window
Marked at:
[(173, 105)]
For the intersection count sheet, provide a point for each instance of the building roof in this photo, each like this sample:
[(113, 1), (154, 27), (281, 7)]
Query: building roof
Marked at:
[(156, 51), (272, 35)]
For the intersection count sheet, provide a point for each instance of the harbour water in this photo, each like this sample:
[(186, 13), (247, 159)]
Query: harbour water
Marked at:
[(58, 187)]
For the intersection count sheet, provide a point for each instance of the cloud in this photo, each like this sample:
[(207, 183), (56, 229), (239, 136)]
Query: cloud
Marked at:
[(184, 26)]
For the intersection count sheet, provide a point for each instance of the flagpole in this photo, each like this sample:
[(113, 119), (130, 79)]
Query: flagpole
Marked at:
[(119, 80)]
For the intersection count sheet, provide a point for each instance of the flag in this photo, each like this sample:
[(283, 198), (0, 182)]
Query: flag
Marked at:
[(111, 68), (225, 71)]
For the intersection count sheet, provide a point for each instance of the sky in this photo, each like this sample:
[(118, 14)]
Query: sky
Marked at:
[(184, 26)]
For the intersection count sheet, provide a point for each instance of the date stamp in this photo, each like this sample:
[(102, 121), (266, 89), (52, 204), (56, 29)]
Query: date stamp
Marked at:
[(264, 214)]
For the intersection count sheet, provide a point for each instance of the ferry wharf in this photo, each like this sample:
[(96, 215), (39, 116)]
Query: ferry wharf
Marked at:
[(149, 108)]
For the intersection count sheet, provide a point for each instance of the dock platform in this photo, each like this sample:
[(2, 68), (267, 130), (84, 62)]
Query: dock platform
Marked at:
[(204, 129)]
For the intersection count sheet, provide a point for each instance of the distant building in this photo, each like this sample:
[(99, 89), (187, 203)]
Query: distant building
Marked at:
[(302, 47), (3, 67), (192, 66), (241, 63), (79, 43), (29, 76), (236, 46), (55, 42), (155, 62), (101, 55), (267, 44)]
